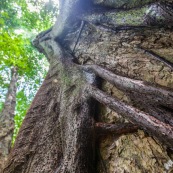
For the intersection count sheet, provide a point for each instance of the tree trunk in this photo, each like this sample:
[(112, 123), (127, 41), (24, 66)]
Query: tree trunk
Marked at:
[(7, 119), (72, 126)]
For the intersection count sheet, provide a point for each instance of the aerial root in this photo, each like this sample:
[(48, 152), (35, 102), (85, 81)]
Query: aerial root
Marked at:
[(115, 129), (157, 57), (150, 124), (161, 96)]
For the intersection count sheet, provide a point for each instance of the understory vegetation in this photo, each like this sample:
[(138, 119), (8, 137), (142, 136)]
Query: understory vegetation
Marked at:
[(20, 21)]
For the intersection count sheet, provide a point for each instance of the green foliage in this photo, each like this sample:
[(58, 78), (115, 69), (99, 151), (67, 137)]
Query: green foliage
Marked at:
[(14, 51), (8, 14), (30, 14), (22, 104), (20, 21), (38, 14), (1, 106), (21, 109)]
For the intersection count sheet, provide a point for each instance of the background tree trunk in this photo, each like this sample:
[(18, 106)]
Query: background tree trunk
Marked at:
[(7, 119), (59, 133)]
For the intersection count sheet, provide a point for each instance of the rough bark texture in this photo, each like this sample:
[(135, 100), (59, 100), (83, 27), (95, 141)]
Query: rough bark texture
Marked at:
[(66, 129), (7, 119), (120, 53)]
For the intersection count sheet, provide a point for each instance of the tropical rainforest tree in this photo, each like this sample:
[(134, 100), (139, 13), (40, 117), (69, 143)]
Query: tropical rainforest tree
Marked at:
[(18, 58), (61, 130)]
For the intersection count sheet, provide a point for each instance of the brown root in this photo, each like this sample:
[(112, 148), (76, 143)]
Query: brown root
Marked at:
[(115, 129), (153, 126)]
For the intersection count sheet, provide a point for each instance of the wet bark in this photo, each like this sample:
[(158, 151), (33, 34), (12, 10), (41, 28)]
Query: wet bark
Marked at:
[(7, 119), (62, 128)]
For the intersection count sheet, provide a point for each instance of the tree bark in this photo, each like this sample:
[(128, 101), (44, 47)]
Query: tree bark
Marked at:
[(61, 131), (7, 119)]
